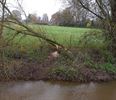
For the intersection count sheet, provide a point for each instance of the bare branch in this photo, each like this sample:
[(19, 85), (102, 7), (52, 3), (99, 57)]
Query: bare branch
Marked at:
[(2, 19), (29, 30), (103, 8), (82, 4)]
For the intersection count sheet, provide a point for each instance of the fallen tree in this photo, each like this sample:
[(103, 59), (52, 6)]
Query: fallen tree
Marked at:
[(25, 28)]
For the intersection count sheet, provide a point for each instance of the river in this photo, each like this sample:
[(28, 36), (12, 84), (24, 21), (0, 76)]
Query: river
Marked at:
[(57, 91)]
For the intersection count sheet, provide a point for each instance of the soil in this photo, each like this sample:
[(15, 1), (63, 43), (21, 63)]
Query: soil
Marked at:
[(23, 69)]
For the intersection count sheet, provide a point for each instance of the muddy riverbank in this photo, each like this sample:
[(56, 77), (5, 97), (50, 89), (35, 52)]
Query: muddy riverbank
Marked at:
[(27, 70)]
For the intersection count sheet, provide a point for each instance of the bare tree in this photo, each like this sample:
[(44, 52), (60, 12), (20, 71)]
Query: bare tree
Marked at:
[(63, 18), (2, 16), (105, 10), (25, 28), (17, 14), (56, 18), (32, 18), (45, 19), (1, 29)]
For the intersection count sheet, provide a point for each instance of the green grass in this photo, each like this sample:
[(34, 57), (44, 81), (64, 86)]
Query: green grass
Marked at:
[(32, 48), (67, 36)]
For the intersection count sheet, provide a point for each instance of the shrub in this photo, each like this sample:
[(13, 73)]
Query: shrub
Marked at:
[(93, 39), (63, 73), (108, 67)]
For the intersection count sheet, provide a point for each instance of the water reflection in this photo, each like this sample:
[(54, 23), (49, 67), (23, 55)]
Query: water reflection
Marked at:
[(57, 91)]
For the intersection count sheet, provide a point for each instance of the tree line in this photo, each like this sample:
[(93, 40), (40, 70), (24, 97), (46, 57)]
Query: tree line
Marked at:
[(65, 17), (30, 18)]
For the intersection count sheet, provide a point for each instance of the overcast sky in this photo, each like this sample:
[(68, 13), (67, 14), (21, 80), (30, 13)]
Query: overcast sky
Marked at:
[(40, 6)]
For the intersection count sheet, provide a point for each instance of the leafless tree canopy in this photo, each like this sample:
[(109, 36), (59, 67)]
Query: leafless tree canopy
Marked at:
[(105, 10)]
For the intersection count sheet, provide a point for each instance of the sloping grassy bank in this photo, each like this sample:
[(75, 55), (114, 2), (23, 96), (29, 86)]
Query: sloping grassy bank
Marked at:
[(29, 58)]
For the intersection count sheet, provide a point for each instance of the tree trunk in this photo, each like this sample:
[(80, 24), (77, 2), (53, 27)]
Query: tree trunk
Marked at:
[(113, 11)]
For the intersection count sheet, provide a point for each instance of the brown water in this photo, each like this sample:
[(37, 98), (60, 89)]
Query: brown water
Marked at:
[(57, 91)]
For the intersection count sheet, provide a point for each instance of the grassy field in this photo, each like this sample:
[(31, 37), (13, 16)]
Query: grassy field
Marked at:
[(67, 36)]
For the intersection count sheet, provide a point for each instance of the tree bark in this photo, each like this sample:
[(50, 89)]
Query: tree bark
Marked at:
[(113, 10), (1, 32), (113, 21)]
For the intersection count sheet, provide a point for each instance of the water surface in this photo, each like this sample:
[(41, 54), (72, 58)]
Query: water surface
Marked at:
[(57, 91)]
